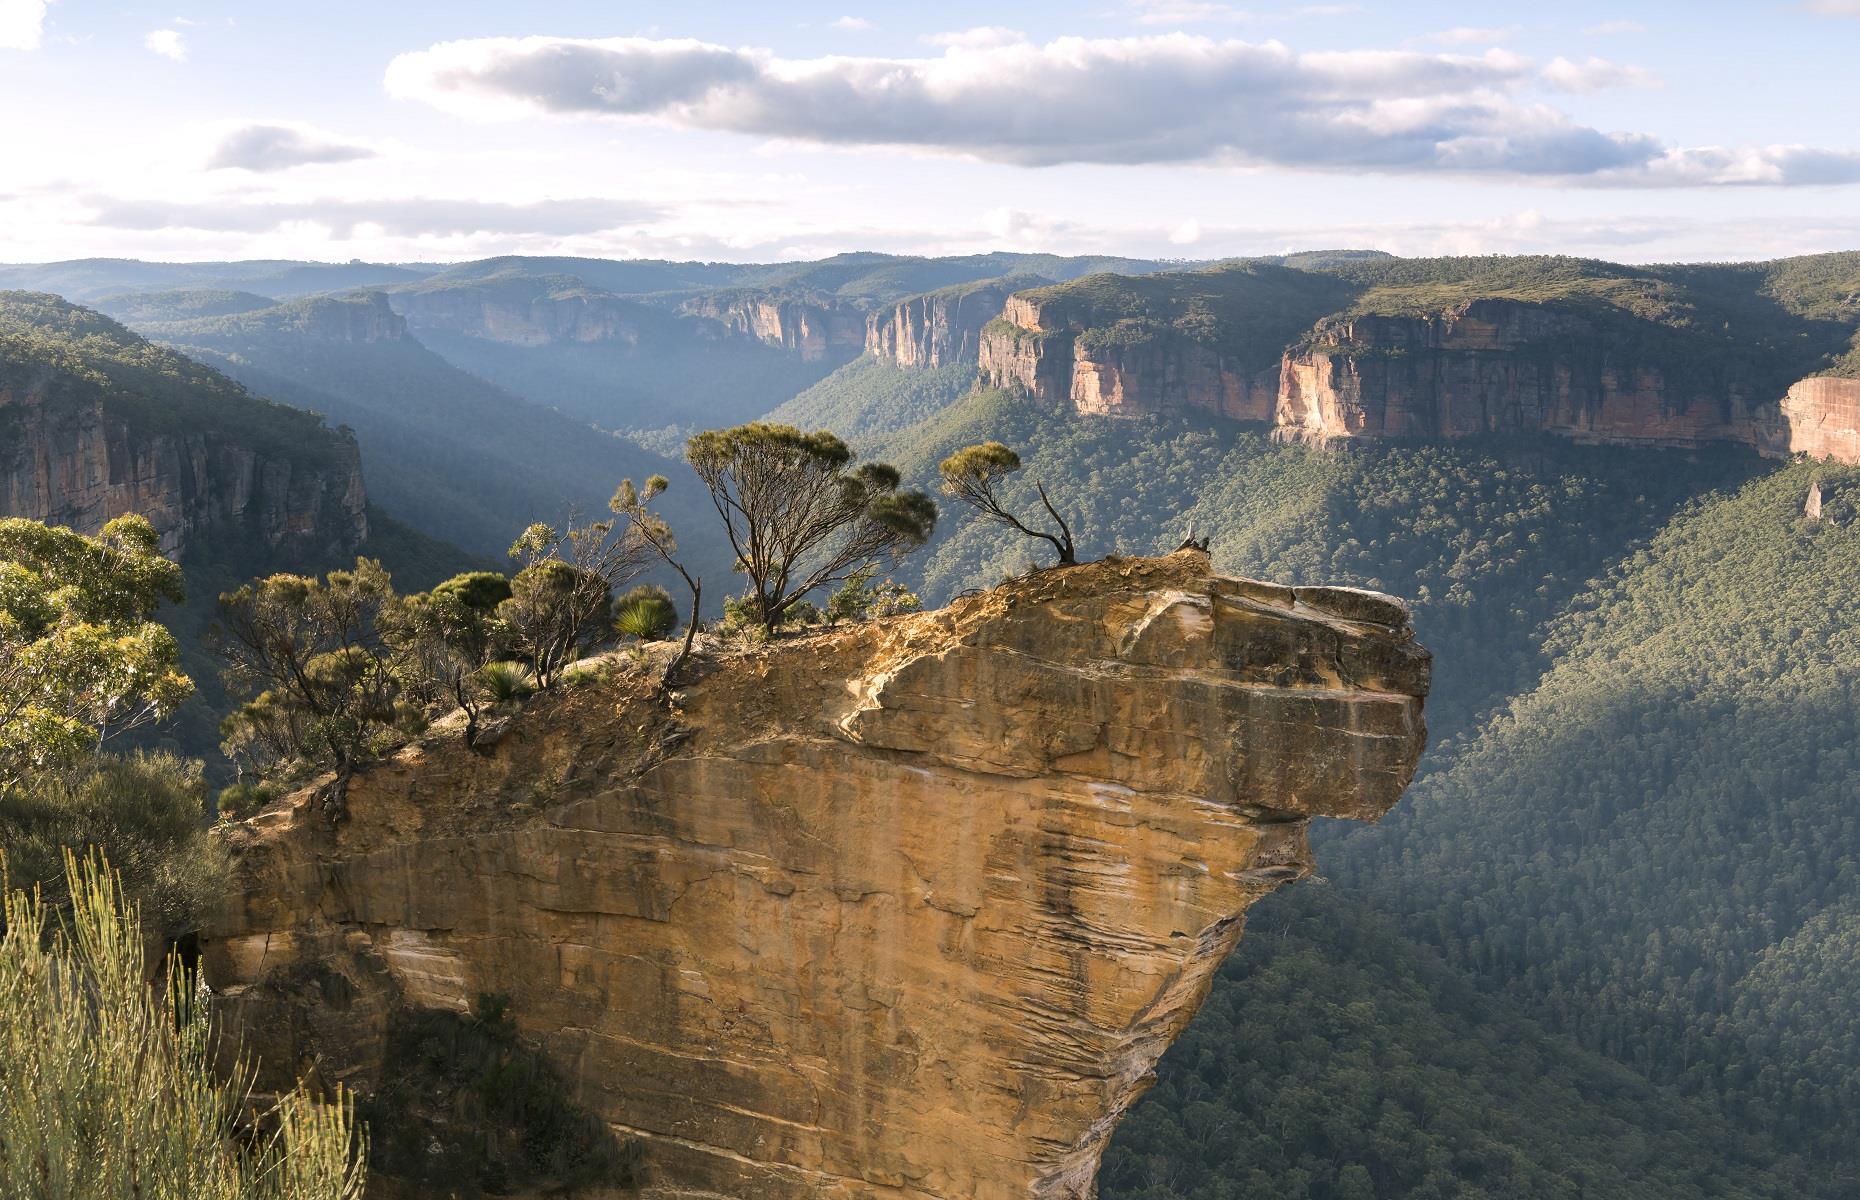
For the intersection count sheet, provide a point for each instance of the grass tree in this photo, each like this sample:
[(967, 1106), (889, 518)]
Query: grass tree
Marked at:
[(973, 476), (799, 514)]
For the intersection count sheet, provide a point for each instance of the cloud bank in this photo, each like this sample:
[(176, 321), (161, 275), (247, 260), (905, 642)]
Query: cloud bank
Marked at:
[(280, 147), (1174, 98), (22, 24)]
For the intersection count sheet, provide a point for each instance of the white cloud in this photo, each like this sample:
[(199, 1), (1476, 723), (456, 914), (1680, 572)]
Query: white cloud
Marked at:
[(1464, 35), (1185, 234), (279, 147), (22, 24), (1184, 12), (852, 24), (166, 42), (1615, 28), (1834, 8), (1159, 99), (1596, 74)]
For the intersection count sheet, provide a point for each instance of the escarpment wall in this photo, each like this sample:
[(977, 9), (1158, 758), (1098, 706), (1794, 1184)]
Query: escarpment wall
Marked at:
[(939, 328), (905, 910), (814, 329), (70, 461), (1486, 366)]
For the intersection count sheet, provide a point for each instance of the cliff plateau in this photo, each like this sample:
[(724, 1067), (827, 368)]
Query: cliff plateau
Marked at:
[(903, 910)]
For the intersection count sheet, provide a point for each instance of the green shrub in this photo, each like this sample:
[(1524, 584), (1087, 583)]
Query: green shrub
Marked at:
[(243, 800), (507, 682), (106, 1084), (646, 614), (144, 812)]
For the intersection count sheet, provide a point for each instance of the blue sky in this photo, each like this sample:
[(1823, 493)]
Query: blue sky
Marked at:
[(1179, 128)]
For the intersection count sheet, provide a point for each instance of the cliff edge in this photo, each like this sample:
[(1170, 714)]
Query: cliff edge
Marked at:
[(906, 909)]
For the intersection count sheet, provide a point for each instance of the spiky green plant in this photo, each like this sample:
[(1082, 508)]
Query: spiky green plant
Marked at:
[(646, 614), (106, 1085), (507, 681)]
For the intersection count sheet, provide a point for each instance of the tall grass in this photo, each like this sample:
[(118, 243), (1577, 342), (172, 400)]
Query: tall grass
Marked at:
[(106, 1086)]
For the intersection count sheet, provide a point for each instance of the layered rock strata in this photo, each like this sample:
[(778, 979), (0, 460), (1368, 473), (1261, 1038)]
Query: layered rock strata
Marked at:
[(905, 910), (815, 329), (76, 462), (1485, 366), (943, 327)]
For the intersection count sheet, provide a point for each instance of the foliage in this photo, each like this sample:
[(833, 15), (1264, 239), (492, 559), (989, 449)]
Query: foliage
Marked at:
[(1334, 1059), (80, 658), (311, 659), (633, 506), (466, 1108), (561, 600), (971, 474), (106, 1084), (859, 599), (238, 801), (1644, 842), (798, 515), (646, 613), (145, 812), (506, 682), (441, 639), (871, 397)]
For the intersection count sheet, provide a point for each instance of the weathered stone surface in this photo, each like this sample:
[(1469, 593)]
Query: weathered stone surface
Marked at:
[(814, 328), (904, 910), (526, 311), (942, 327), (1820, 417), (74, 462), (1486, 366)]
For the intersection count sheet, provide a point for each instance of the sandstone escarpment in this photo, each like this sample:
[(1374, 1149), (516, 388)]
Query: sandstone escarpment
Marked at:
[(904, 910), (1820, 417), (533, 311), (816, 329), (71, 458), (1128, 370), (943, 327), (1501, 366)]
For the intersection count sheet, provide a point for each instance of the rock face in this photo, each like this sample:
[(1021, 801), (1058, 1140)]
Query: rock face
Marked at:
[(71, 456), (533, 311), (1499, 366), (1820, 417), (905, 910), (1124, 371), (1486, 366), (816, 329), (943, 327)]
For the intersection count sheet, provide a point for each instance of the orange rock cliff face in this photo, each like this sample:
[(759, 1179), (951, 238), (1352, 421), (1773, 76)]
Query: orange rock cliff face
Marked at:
[(939, 328), (905, 910), (1486, 366), (74, 462)]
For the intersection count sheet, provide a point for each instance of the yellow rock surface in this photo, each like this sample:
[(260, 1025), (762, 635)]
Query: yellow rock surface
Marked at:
[(905, 910)]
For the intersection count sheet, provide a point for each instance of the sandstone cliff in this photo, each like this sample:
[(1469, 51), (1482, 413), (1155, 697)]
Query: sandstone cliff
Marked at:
[(524, 311), (904, 910), (941, 327), (1820, 417), (94, 428), (1482, 366), (1131, 368), (816, 328)]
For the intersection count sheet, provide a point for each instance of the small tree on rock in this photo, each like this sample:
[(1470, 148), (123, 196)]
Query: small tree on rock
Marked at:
[(972, 475), (561, 600), (798, 514)]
